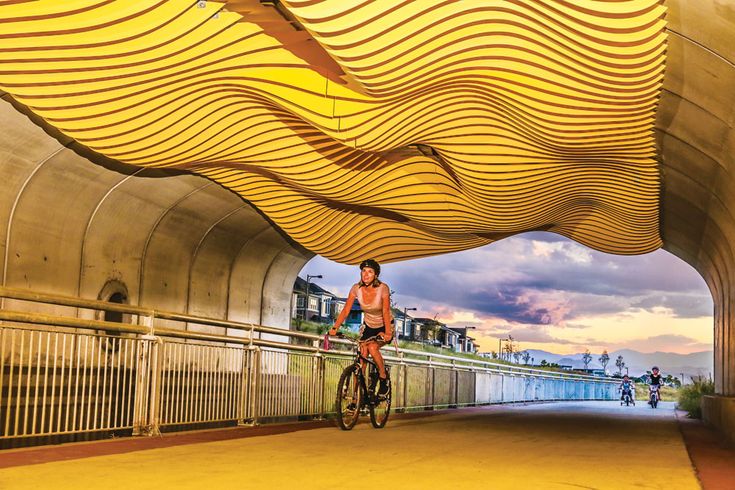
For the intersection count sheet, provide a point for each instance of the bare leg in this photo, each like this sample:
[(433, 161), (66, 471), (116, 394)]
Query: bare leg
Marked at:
[(374, 350), (364, 351)]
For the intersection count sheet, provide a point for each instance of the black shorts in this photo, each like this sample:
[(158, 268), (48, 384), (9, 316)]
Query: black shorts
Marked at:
[(370, 333)]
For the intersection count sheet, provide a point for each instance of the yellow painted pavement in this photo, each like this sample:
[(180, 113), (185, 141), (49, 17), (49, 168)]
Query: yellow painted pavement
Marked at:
[(549, 446)]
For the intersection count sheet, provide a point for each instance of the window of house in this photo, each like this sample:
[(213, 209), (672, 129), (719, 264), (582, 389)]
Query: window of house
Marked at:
[(313, 304), (325, 307)]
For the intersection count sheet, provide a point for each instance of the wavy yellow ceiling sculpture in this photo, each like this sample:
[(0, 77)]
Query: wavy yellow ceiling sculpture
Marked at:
[(385, 128)]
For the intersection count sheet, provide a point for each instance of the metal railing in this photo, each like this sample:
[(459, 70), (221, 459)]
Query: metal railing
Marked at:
[(66, 375)]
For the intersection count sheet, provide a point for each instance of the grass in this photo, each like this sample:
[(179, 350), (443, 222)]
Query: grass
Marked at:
[(690, 396), (667, 393)]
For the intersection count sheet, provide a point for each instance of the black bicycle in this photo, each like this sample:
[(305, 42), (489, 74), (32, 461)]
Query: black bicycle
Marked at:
[(653, 395), (355, 393)]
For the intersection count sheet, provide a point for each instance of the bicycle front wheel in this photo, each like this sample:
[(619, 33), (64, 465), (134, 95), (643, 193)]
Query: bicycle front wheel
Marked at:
[(380, 410), (349, 398)]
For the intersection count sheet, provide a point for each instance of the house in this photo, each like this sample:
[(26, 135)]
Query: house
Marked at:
[(355, 318), (448, 338), (322, 306), (425, 330), (465, 343), (404, 324)]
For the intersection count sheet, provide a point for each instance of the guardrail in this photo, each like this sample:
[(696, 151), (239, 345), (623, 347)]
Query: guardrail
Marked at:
[(66, 375)]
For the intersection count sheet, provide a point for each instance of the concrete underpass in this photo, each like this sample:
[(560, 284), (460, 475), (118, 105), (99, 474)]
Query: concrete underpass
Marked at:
[(549, 445), (136, 295)]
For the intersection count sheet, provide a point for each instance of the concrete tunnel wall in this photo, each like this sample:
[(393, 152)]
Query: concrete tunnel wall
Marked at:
[(696, 147), (171, 241)]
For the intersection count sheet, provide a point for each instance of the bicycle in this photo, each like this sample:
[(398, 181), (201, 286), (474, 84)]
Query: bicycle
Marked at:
[(354, 393), (653, 395), (627, 398)]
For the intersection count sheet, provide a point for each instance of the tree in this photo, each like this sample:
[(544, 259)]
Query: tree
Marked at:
[(620, 364), (526, 357), (517, 357), (604, 359), (543, 363), (586, 358)]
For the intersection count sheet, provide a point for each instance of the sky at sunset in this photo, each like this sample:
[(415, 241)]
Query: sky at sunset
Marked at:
[(551, 293)]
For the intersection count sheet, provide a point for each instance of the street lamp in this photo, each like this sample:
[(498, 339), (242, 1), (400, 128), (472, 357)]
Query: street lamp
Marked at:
[(500, 348), (306, 303), (466, 337), (405, 316)]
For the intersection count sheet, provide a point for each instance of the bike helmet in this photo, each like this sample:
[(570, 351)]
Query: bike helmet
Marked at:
[(655, 368), (372, 263)]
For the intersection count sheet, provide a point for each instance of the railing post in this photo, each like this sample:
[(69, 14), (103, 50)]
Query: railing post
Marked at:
[(473, 376), (255, 386), (242, 415), (456, 384), (143, 382), (430, 384), (403, 369), (156, 389), (145, 422), (318, 386)]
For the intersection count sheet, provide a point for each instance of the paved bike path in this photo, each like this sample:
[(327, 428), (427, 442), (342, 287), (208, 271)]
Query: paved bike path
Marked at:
[(557, 445)]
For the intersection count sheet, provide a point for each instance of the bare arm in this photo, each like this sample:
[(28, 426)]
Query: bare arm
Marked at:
[(343, 314), (387, 313)]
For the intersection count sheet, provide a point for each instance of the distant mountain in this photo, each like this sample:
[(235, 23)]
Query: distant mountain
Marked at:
[(694, 364)]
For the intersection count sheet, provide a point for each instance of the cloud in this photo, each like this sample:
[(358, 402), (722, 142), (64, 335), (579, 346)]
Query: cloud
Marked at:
[(680, 305), (552, 282), (539, 279), (666, 342), (532, 334), (577, 326)]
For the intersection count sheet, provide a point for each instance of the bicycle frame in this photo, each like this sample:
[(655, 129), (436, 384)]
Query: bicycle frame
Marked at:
[(367, 396)]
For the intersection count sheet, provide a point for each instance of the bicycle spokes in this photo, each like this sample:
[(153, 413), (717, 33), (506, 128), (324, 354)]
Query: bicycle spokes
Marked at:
[(348, 399)]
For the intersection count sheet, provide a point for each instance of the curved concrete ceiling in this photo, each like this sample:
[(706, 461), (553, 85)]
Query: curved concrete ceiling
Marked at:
[(173, 240), (391, 129)]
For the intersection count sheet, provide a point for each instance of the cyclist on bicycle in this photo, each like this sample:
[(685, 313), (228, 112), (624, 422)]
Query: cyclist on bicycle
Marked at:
[(376, 329), (626, 387), (654, 381)]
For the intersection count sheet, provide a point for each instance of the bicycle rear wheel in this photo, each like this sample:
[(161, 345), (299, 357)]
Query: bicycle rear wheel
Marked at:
[(349, 398), (380, 409)]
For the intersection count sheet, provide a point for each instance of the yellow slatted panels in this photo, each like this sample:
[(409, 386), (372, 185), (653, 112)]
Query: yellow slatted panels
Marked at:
[(442, 126)]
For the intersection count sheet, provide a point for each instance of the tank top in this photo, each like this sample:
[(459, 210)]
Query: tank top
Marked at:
[(373, 311)]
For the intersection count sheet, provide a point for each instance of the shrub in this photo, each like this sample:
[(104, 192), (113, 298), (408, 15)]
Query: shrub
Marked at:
[(690, 396)]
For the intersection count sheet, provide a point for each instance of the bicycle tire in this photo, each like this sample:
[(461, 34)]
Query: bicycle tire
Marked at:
[(348, 392), (380, 411)]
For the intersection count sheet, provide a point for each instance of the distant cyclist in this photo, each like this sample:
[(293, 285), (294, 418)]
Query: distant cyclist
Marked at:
[(654, 382), (376, 329), (626, 387)]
